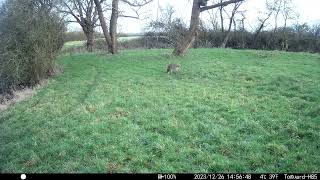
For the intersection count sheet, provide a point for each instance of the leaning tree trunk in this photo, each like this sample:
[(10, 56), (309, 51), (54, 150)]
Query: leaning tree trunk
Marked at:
[(103, 24), (182, 47), (189, 38), (113, 26), (234, 11), (258, 31), (226, 39), (89, 33)]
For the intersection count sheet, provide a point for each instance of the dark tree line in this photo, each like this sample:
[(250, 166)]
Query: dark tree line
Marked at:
[(300, 37)]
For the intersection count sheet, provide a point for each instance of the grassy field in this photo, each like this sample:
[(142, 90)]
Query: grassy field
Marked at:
[(227, 111), (72, 44)]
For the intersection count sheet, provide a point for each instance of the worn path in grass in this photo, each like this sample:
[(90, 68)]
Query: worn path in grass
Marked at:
[(228, 110)]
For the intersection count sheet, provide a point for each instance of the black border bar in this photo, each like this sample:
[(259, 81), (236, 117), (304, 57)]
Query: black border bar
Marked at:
[(167, 176)]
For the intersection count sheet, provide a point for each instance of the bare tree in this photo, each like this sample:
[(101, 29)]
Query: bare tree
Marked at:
[(162, 24), (111, 34), (221, 17), (262, 24), (288, 13), (113, 26), (241, 21), (242, 29), (213, 20), (280, 7), (103, 23), (85, 14), (233, 13), (276, 8), (189, 38), (273, 7)]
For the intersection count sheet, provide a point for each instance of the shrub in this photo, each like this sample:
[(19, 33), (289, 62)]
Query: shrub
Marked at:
[(31, 35)]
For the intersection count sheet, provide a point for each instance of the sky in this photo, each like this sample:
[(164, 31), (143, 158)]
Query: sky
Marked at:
[(308, 11)]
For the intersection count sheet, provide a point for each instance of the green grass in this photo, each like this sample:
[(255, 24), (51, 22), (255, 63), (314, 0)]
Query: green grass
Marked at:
[(227, 111)]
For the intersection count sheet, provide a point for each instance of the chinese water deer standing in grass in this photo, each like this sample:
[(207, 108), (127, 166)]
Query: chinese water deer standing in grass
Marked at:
[(173, 68)]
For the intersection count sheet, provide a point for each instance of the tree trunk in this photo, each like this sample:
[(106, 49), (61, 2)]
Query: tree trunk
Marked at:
[(103, 25), (89, 33), (90, 41), (113, 26), (189, 38), (225, 41), (285, 39), (221, 17), (258, 31), (276, 21), (234, 11)]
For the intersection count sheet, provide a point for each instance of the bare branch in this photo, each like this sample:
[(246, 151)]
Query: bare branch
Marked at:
[(221, 4), (127, 16), (137, 3)]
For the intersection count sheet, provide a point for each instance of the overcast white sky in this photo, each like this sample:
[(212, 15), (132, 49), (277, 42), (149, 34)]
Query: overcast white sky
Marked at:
[(308, 11)]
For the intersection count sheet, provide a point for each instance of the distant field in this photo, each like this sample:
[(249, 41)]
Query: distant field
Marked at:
[(74, 44), (82, 43), (122, 39), (227, 111)]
